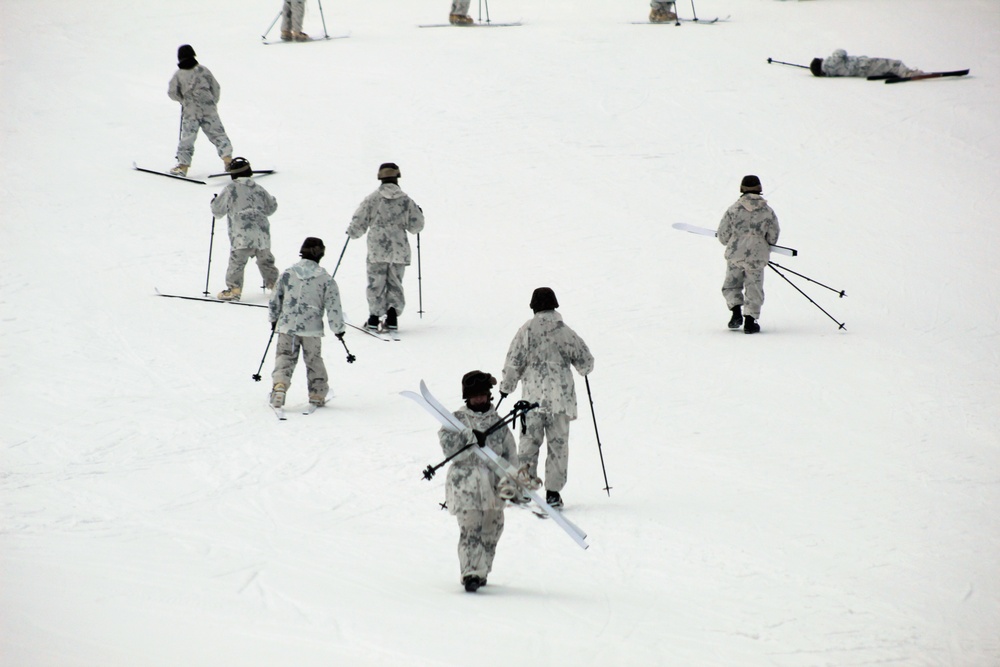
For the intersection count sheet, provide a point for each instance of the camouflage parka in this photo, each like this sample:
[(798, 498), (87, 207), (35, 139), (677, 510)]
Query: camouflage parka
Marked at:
[(303, 292), (248, 205), (540, 357), (472, 482), (387, 215), (196, 89), (841, 64), (748, 229)]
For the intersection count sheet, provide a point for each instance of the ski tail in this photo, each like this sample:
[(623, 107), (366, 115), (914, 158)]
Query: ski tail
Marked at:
[(928, 75)]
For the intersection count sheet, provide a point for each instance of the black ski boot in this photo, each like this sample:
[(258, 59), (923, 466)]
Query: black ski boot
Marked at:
[(736, 321), (750, 325), (554, 500), (471, 583), (390, 319), (372, 322)]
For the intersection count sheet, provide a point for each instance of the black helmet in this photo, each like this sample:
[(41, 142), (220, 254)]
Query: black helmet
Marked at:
[(239, 166)]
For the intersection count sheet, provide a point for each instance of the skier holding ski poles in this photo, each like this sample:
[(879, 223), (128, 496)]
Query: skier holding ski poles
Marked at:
[(198, 93), (475, 494), (748, 229)]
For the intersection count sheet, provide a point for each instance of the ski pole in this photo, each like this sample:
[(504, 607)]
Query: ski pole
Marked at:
[(840, 293), (325, 35), (590, 397), (256, 376), (341, 257), (839, 324), (264, 36), (350, 357), (772, 60), (695, 18), (481, 3), (420, 284), (211, 241), (520, 408)]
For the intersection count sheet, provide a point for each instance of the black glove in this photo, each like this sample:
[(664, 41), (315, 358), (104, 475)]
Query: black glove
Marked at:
[(274, 326), (340, 336), (480, 438)]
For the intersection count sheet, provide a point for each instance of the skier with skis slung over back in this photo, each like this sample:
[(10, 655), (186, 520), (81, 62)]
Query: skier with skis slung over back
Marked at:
[(475, 494)]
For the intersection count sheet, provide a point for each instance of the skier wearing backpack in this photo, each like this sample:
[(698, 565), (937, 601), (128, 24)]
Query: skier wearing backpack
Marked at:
[(475, 494), (541, 356), (386, 215), (748, 230), (303, 294), (248, 206), (198, 93)]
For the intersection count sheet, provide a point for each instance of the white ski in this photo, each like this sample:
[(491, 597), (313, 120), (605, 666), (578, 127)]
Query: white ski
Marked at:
[(704, 231), (426, 400)]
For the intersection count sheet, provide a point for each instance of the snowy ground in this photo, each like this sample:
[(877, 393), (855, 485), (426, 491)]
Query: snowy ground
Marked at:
[(803, 497)]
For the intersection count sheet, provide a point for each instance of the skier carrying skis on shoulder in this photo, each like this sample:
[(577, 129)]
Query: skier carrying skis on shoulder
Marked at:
[(248, 206), (303, 293), (541, 356), (198, 92), (475, 494), (840, 64), (386, 215), (748, 230)]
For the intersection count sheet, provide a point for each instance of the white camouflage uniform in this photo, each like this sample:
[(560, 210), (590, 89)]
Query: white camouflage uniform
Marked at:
[(303, 293), (248, 206), (460, 7), (748, 229), (841, 64), (386, 216), (471, 491), (198, 93), (540, 357), (292, 13)]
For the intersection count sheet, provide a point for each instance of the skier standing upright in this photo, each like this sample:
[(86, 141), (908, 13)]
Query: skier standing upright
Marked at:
[(303, 294), (386, 215), (475, 494), (198, 93), (541, 356), (248, 206), (292, 13), (748, 229)]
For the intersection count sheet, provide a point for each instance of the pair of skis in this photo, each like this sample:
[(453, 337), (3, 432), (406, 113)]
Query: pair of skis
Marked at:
[(683, 20), (889, 78), (256, 172), (209, 299), (282, 416), (427, 401), (703, 231), (384, 335)]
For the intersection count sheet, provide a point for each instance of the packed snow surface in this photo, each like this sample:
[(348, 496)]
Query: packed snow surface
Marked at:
[(807, 496)]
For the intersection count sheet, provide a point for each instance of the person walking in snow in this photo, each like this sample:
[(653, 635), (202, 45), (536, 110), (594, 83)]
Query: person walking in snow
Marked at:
[(474, 492), (386, 215), (540, 357), (662, 11), (748, 230), (198, 93), (292, 13), (840, 64), (248, 206), (303, 293), (460, 13)]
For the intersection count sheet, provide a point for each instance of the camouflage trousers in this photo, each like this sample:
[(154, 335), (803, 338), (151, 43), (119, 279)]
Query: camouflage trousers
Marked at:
[(479, 532), (292, 13), (385, 288), (286, 356), (238, 258), (208, 121), (744, 286), (554, 430), (460, 7), (666, 5)]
